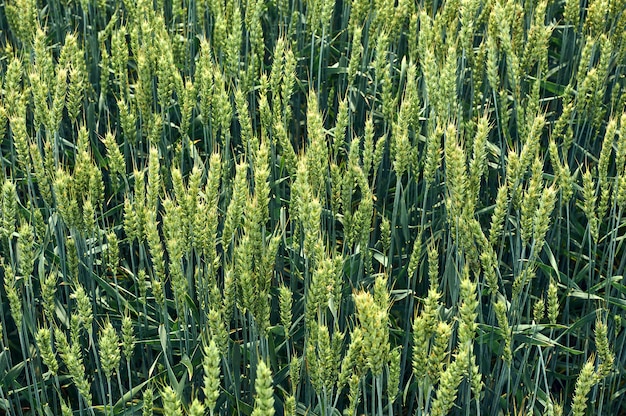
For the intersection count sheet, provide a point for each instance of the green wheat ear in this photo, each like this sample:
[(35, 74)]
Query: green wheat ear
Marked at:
[(44, 343), (604, 351), (211, 366), (285, 296), (171, 402), (264, 398), (109, 349), (586, 380), (148, 403), (196, 408)]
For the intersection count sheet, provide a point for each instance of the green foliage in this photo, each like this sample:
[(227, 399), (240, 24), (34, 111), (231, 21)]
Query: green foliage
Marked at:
[(318, 207)]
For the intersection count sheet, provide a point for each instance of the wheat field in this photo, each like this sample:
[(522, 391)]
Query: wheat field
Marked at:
[(312, 207)]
